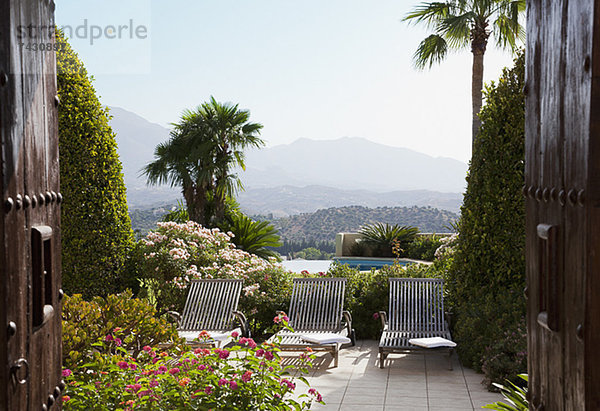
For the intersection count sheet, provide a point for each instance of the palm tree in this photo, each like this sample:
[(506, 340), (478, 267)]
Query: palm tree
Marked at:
[(204, 148), (231, 133), (253, 236), (458, 24)]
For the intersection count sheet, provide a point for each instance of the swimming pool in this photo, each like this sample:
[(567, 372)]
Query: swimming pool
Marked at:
[(366, 264), (362, 263)]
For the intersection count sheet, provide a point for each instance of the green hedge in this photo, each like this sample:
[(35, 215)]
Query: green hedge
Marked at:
[(95, 229), (486, 281)]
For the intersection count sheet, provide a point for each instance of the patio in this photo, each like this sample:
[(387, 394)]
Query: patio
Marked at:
[(409, 382)]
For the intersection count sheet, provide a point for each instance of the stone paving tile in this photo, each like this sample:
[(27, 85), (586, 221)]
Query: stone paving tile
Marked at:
[(408, 382)]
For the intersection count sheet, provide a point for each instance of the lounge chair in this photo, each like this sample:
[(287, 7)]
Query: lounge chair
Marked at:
[(416, 311), (211, 306), (316, 314)]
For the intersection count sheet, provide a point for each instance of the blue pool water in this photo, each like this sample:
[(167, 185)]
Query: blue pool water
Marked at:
[(366, 264), (363, 264)]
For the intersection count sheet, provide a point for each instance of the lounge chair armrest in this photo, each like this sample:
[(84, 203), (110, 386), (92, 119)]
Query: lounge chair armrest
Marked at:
[(243, 323), (348, 318), (175, 316), (383, 318)]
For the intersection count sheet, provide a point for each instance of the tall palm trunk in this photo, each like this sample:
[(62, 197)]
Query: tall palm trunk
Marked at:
[(479, 39), (476, 94)]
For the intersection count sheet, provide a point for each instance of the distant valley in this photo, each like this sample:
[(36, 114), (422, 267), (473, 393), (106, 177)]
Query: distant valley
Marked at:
[(304, 176)]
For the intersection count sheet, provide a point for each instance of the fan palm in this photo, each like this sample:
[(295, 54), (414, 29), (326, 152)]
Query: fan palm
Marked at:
[(458, 24), (203, 149), (381, 237), (253, 236)]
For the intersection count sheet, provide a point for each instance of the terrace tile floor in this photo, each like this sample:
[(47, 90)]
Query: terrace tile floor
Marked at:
[(408, 382)]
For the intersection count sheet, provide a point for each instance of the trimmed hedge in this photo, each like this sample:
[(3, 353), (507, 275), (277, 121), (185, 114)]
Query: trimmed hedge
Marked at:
[(96, 229), (486, 281)]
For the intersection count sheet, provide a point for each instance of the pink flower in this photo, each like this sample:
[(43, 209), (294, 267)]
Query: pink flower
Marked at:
[(174, 371), (269, 355), (260, 352), (208, 389), (123, 365), (66, 398), (277, 320), (235, 334), (133, 366), (118, 342), (375, 316), (222, 382), (161, 370), (223, 354), (233, 385), (109, 337), (202, 367), (153, 383), (247, 376), (66, 372), (147, 348)]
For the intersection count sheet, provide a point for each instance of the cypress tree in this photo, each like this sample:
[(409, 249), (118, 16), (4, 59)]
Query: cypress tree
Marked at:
[(487, 277), (96, 228)]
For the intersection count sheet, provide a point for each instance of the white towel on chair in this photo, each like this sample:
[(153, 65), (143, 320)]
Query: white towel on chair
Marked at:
[(325, 338), (432, 342)]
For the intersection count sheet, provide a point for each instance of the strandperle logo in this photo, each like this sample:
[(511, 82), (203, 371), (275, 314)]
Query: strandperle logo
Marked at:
[(85, 30)]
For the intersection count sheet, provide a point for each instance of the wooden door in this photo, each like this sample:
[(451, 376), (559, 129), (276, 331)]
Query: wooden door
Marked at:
[(30, 314), (563, 191)]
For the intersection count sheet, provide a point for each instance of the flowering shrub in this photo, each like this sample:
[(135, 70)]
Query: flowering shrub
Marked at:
[(85, 322), (243, 377), (174, 254)]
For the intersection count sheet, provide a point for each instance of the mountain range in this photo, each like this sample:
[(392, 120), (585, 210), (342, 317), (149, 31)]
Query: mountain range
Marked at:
[(305, 175)]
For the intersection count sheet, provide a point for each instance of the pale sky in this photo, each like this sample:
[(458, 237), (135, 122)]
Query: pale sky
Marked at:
[(315, 69)]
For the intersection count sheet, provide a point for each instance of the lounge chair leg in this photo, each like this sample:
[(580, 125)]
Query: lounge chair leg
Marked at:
[(335, 358), (381, 359), (450, 360)]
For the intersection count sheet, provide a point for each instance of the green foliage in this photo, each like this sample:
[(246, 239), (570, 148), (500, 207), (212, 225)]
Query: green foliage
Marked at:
[(382, 237), (323, 225), (246, 376), (96, 231), (422, 248), (174, 254), (312, 253), (85, 322), (488, 276), (515, 396), (178, 215), (203, 149), (252, 236)]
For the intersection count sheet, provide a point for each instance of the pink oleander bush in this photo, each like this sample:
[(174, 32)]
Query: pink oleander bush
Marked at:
[(174, 254), (245, 376)]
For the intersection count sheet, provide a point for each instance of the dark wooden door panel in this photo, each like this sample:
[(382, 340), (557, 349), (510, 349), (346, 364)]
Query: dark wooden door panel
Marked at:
[(30, 219), (562, 188)]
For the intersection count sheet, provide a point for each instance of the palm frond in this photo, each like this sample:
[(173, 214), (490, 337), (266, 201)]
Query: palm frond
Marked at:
[(431, 14), (431, 50)]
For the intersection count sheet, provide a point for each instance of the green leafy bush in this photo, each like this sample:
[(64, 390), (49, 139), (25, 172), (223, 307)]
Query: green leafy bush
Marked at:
[(488, 275), (381, 237), (85, 322), (246, 376), (96, 231), (174, 254), (423, 247), (515, 396)]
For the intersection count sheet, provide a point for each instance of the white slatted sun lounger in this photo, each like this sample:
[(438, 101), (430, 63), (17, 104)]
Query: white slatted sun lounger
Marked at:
[(211, 306), (416, 311), (316, 312)]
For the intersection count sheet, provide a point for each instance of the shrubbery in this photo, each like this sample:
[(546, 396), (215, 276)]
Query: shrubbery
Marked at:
[(174, 254), (85, 322), (488, 276), (423, 247), (96, 231), (243, 377)]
